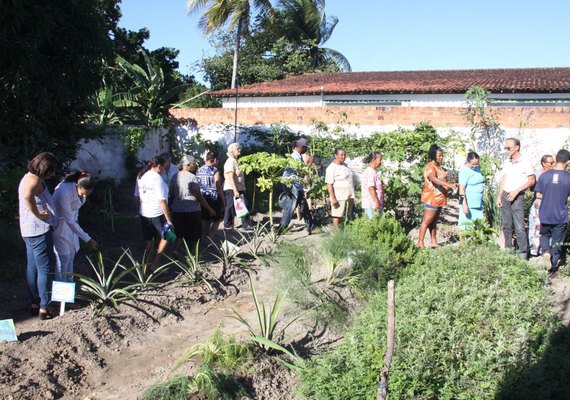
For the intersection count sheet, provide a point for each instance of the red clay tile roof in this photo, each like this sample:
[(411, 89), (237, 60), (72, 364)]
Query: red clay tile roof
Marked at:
[(521, 80)]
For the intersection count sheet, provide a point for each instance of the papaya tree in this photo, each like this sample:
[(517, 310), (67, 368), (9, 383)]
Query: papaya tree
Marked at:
[(270, 168)]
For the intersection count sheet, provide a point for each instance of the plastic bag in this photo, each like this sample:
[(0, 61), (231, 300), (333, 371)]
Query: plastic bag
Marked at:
[(239, 205)]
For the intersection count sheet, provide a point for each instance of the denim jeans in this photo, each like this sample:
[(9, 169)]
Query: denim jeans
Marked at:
[(230, 211), (41, 265), (513, 216), (296, 198), (555, 234), (64, 267)]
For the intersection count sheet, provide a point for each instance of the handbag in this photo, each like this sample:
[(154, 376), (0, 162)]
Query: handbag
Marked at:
[(239, 205)]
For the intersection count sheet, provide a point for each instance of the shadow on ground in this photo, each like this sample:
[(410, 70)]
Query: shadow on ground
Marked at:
[(548, 378)]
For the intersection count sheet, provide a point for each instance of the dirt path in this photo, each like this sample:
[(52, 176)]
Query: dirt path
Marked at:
[(150, 357)]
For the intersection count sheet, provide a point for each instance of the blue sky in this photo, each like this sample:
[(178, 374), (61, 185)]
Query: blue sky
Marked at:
[(388, 35)]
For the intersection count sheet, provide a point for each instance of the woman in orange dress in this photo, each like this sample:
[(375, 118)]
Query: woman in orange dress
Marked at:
[(434, 195)]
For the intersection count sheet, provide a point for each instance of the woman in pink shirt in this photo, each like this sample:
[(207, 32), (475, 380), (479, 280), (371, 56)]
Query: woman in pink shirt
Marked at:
[(372, 188)]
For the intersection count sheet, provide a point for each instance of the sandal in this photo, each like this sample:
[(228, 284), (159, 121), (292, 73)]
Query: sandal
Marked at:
[(48, 314)]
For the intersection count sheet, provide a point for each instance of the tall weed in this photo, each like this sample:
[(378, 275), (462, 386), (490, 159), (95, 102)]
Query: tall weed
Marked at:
[(469, 320)]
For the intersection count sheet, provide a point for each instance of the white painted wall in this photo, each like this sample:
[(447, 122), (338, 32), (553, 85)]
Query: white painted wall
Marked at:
[(408, 100), (105, 158)]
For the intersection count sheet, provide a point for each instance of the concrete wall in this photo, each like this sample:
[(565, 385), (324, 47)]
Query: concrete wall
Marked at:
[(541, 129)]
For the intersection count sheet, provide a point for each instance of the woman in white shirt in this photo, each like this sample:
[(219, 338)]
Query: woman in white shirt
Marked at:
[(234, 187), (340, 185), (152, 193), (68, 198)]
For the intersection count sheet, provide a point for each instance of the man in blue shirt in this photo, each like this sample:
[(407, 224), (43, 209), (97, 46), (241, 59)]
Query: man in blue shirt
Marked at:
[(553, 187), (295, 196)]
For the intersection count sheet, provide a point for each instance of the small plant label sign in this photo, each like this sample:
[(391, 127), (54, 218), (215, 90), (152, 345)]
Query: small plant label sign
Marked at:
[(64, 292), (8, 331)]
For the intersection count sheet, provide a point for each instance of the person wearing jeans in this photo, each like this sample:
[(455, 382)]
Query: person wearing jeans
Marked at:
[(37, 217), (553, 187), (518, 176), (295, 195)]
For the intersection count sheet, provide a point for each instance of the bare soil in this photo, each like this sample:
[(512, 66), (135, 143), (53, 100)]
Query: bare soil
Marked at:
[(120, 353)]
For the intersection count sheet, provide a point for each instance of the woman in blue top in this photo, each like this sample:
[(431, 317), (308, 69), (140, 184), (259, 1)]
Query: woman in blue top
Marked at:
[(470, 191)]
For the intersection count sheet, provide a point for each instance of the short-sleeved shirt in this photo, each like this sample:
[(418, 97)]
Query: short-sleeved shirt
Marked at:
[(434, 195), (182, 188), (370, 179), (292, 172), (555, 188), (516, 173), (473, 181), (205, 175), (151, 189), (340, 176), (232, 165), (168, 175)]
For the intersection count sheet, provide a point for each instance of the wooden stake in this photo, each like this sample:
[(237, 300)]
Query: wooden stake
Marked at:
[(382, 393)]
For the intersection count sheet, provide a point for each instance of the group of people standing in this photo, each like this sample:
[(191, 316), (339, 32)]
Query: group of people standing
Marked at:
[(548, 217), (194, 200), (191, 200)]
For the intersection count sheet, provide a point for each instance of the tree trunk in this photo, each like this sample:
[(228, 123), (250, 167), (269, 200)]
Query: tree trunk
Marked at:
[(236, 54), (382, 392)]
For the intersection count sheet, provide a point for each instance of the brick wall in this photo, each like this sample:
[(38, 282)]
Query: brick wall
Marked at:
[(509, 117)]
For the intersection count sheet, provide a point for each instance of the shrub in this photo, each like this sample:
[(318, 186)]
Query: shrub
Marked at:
[(468, 320), (381, 249)]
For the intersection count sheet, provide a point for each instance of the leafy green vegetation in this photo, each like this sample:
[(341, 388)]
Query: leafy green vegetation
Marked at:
[(219, 358), (470, 320)]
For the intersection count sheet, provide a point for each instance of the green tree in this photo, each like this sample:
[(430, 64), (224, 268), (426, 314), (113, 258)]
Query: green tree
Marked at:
[(235, 12), (304, 22), (51, 61)]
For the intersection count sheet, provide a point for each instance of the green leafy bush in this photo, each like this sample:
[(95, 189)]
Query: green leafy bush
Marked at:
[(469, 320), (384, 235)]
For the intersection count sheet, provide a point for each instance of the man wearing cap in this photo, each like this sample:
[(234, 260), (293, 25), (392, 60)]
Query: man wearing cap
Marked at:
[(295, 196)]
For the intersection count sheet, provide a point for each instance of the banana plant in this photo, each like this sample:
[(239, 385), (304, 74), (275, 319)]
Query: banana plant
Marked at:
[(149, 94)]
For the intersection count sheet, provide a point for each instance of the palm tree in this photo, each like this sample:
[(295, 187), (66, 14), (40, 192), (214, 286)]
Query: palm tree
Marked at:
[(237, 12), (307, 22)]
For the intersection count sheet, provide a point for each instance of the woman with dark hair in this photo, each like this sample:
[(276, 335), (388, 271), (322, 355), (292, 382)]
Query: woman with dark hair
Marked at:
[(187, 202), (372, 188), (340, 185), (434, 195), (152, 192), (69, 196), (546, 163), (37, 216), (470, 191), (211, 187)]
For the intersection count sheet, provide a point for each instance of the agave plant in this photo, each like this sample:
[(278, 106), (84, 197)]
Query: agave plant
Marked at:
[(192, 269), (268, 319), (254, 243), (107, 289)]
